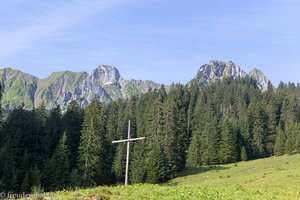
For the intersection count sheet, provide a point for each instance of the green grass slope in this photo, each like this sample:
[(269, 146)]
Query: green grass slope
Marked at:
[(274, 172), (19, 88), (271, 178)]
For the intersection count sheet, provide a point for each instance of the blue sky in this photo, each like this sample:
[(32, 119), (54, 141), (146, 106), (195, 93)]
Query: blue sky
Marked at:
[(162, 40)]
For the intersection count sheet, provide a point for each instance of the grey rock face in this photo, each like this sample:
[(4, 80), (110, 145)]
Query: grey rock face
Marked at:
[(104, 75), (104, 83), (218, 70), (262, 80)]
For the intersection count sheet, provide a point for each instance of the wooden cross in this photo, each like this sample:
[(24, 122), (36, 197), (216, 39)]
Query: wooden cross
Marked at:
[(128, 140)]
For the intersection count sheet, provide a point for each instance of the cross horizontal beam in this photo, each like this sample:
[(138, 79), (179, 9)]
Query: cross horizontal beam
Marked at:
[(128, 140)]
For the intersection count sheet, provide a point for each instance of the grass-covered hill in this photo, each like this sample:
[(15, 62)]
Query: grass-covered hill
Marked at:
[(271, 178)]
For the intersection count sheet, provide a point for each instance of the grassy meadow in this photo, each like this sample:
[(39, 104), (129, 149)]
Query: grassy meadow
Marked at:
[(270, 178)]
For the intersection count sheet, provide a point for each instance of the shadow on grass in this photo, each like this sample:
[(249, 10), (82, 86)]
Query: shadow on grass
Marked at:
[(198, 170)]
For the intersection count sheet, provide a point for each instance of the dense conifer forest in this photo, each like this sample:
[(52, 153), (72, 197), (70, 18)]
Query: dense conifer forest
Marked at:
[(187, 126)]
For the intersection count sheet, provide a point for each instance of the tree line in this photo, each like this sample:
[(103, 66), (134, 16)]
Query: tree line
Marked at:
[(189, 126)]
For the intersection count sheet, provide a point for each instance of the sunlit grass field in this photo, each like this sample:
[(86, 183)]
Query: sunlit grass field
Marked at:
[(269, 173), (271, 178)]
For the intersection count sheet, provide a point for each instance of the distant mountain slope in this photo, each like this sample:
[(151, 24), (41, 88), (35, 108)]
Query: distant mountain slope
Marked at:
[(18, 87), (104, 82), (60, 88), (218, 70), (51, 89)]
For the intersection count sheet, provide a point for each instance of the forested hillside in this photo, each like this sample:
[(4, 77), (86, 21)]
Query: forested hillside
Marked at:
[(225, 122)]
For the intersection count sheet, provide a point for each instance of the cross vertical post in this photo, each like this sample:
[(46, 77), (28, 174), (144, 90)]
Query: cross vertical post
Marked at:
[(128, 140), (127, 155)]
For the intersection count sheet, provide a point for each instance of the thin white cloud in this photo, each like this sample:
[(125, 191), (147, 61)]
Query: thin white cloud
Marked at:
[(52, 21)]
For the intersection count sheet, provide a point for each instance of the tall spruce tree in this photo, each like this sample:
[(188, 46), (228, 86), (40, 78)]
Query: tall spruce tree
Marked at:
[(72, 122), (61, 165), (279, 148), (271, 132), (156, 170), (47, 179), (210, 143), (112, 122), (25, 187), (8, 176), (244, 156), (197, 127), (194, 151), (138, 166), (194, 92), (119, 163), (54, 129), (94, 149), (171, 134), (259, 132), (291, 132), (228, 152), (138, 163), (119, 150)]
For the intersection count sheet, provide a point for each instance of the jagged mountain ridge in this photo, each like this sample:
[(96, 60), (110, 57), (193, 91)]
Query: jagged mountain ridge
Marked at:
[(218, 70), (60, 88), (104, 82)]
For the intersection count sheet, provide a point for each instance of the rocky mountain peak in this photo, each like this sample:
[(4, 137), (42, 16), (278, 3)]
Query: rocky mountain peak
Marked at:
[(222, 64), (260, 77), (105, 74), (217, 69), (256, 71)]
